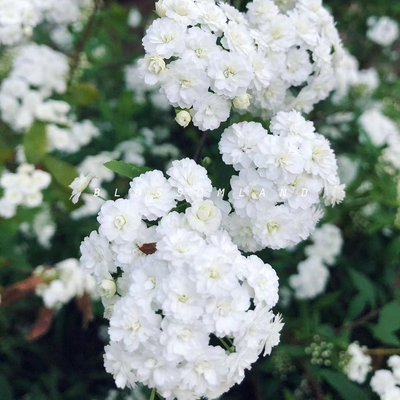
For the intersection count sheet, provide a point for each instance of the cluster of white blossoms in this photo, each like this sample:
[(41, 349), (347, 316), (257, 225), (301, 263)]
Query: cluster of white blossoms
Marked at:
[(359, 363), (276, 195), (208, 57), (22, 188), (348, 75), (63, 282), (39, 72), (386, 383), (313, 273), (382, 132), (188, 312), (383, 31), (19, 18)]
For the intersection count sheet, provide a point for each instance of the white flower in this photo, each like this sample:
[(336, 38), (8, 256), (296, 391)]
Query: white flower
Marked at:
[(394, 363), (182, 340), (183, 118), (180, 300), (209, 111), (201, 47), (236, 38), (212, 18), (204, 216), (359, 364), (274, 228), (184, 83), (242, 102), (261, 11), (183, 11), (180, 247), (151, 68), (384, 31), (311, 279), (133, 323), (164, 37), (107, 288), (119, 220), (206, 372), (298, 67), (134, 18), (230, 74), (383, 381), (152, 195), (96, 256), (190, 179), (263, 281), (117, 361), (78, 185)]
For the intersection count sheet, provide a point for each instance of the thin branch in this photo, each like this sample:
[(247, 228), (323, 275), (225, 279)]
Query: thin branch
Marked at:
[(319, 393), (82, 42), (200, 146), (358, 322), (383, 352)]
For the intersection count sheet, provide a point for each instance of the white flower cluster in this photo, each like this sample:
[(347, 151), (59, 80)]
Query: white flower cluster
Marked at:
[(72, 138), (176, 290), (348, 75), (313, 273), (42, 228), (19, 18), (383, 31), (281, 177), (359, 363), (37, 73), (208, 56), (386, 383), (22, 188), (382, 131), (63, 282)]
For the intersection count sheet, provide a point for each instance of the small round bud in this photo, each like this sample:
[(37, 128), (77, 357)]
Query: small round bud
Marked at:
[(107, 288), (242, 102), (156, 64), (160, 8), (183, 118)]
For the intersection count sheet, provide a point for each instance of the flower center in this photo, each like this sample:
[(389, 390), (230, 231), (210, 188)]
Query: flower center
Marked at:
[(272, 227), (183, 299), (119, 222)]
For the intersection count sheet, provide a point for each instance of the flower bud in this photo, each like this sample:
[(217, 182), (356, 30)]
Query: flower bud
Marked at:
[(183, 118), (107, 288), (156, 64), (160, 8), (242, 102)]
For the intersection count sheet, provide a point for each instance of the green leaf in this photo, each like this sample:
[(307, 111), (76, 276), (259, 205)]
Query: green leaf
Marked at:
[(364, 285), (84, 93), (35, 142), (126, 169), (346, 389), (357, 305), (288, 395), (63, 172), (327, 300), (388, 324)]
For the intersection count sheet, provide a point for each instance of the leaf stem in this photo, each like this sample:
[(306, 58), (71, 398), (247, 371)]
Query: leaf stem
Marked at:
[(383, 352), (226, 345), (200, 146), (153, 394)]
